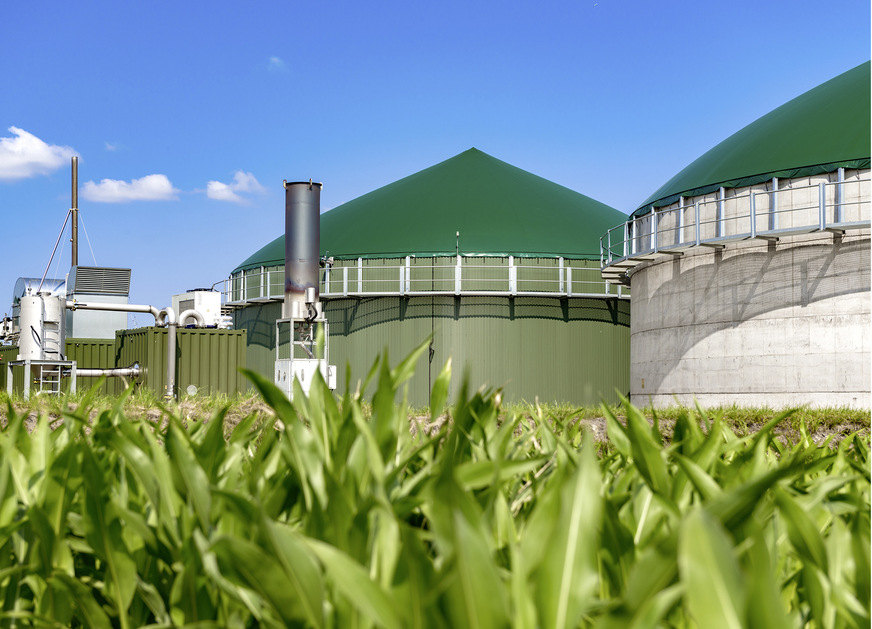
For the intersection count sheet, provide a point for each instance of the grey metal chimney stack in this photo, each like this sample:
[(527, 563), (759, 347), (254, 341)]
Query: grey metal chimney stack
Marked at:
[(302, 247)]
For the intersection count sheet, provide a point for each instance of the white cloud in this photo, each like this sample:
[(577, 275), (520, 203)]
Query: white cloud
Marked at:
[(25, 155), (275, 64), (242, 182), (111, 147), (148, 188)]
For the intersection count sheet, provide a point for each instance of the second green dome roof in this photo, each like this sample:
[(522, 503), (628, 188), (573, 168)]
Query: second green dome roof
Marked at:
[(498, 209), (816, 132)]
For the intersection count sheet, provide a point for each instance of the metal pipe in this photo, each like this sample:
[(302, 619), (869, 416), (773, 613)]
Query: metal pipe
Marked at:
[(75, 305), (172, 329), (126, 372), (302, 244), (192, 314), (74, 232), (167, 317)]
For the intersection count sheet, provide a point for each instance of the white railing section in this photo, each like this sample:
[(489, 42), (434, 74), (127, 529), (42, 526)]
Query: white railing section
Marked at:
[(766, 214), (422, 277)]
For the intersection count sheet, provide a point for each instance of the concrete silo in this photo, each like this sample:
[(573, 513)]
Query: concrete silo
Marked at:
[(500, 266), (750, 269)]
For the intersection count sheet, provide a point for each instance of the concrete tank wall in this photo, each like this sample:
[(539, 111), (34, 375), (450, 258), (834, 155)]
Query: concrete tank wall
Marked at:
[(757, 323)]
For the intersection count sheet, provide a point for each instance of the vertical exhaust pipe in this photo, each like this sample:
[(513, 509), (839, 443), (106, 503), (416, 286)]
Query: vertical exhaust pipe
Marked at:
[(74, 235), (302, 245)]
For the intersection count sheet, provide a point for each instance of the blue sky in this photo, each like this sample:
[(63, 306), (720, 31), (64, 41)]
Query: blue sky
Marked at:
[(187, 115)]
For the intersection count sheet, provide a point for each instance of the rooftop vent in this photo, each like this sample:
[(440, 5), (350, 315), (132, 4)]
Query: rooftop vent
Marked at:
[(95, 280)]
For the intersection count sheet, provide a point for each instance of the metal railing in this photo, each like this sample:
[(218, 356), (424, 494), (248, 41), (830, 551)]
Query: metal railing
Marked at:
[(422, 277), (766, 214)]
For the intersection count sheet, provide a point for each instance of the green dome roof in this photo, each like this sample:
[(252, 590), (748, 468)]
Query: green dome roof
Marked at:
[(819, 131), (498, 209)]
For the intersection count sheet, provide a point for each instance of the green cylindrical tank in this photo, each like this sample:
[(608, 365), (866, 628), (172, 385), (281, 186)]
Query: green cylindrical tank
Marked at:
[(499, 266)]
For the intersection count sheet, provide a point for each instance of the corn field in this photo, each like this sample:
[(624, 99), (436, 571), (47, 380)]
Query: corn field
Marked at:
[(316, 516)]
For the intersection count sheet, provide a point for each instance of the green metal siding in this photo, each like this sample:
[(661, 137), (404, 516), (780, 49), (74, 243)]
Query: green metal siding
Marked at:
[(206, 358), (88, 353), (572, 350), (8, 353), (93, 354)]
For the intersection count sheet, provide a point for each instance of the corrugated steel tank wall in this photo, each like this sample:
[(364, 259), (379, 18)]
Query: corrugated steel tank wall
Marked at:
[(562, 350)]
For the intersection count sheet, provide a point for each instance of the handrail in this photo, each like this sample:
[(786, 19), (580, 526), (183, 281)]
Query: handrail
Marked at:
[(765, 214), (425, 278)]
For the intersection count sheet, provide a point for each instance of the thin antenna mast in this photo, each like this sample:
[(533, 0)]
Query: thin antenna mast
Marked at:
[(75, 212)]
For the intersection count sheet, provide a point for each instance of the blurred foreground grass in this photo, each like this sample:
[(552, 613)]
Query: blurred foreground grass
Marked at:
[(329, 513)]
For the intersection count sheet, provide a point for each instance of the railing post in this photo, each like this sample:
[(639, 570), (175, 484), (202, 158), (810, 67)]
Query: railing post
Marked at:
[(753, 215), (654, 226), (680, 238), (696, 211), (626, 238), (773, 209), (360, 276), (823, 205), (560, 275), (569, 281), (408, 275), (261, 282), (721, 219), (327, 279), (513, 276), (402, 279), (345, 281), (609, 245), (457, 277), (840, 197)]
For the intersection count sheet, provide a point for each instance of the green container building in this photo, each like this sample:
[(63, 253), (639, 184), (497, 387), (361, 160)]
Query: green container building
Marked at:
[(499, 266), (207, 358)]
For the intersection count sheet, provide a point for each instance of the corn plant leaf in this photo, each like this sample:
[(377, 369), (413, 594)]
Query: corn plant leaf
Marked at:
[(439, 392), (475, 596), (803, 533), (248, 564), (710, 573), (300, 569), (103, 532), (190, 478), (352, 581), (707, 486), (480, 474), (90, 613), (647, 453), (567, 577)]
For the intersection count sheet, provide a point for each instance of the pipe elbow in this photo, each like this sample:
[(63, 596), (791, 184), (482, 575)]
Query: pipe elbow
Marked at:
[(192, 314)]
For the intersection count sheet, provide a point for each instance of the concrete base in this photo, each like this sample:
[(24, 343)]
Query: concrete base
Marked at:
[(756, 324)]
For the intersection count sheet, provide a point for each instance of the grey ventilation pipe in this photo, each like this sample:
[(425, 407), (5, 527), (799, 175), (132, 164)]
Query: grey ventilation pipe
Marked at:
[(302, 241)]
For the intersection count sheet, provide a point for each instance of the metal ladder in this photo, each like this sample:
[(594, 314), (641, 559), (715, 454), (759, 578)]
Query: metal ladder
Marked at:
[(49, 380)]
